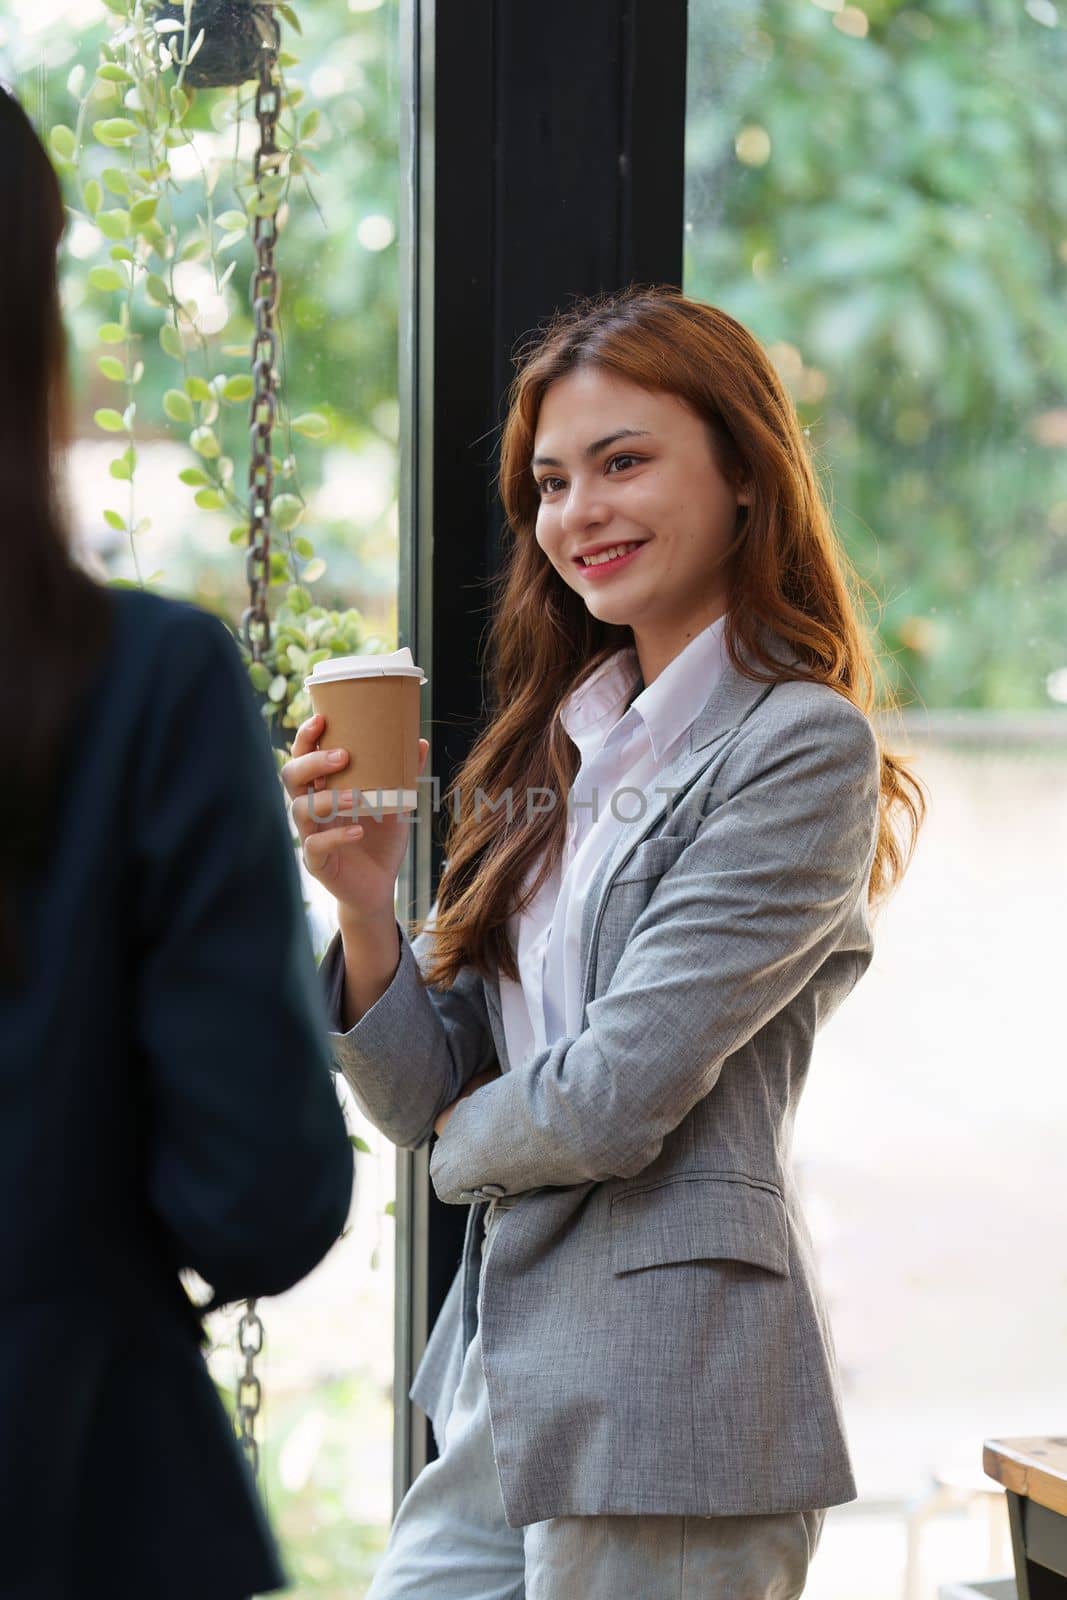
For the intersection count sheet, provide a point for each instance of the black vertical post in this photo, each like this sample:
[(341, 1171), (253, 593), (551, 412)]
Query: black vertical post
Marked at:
[(545, 153)]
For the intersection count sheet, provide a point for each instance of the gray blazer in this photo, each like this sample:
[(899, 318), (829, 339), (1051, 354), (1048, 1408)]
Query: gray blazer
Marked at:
[(653, 1329)]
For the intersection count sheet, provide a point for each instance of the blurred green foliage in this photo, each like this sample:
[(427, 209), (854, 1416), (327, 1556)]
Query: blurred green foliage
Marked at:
[(881, 196), (336, 459)]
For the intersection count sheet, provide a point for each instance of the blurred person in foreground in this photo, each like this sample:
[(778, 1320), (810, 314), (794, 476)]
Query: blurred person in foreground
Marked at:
[(164, 1061)]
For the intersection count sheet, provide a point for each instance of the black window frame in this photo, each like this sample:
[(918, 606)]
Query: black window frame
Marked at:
[(541, 159)]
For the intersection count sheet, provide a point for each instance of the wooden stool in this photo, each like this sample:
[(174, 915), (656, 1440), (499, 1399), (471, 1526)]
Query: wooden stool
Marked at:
[(1034, 1475)]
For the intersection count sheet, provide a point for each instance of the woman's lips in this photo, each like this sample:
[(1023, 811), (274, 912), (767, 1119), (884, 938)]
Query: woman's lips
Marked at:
[(602, 568)]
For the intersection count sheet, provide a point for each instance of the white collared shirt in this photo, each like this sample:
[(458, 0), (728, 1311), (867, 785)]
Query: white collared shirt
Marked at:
[(619, 748)]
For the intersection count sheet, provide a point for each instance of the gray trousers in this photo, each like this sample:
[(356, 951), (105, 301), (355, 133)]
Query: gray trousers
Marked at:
[(449, 1539)]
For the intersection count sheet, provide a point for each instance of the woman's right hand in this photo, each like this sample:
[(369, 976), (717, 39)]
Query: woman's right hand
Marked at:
[(359, 869)]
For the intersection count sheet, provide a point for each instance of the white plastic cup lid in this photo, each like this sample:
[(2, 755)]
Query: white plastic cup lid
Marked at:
[(397, 664)]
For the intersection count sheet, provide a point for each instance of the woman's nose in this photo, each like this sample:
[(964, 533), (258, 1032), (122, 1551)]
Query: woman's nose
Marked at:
[(582, 507)]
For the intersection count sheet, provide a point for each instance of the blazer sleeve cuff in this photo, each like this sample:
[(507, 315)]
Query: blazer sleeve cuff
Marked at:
[(366, 1054)]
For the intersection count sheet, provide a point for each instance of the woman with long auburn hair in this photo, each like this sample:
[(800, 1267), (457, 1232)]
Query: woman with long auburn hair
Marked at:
[(165, 1093), (665, 854)]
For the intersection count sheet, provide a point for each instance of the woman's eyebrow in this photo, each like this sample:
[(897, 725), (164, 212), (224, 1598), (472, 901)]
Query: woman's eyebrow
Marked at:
[(595, 448)]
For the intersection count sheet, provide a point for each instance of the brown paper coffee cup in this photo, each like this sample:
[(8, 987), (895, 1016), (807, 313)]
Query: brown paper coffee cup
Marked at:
[(371, 708)]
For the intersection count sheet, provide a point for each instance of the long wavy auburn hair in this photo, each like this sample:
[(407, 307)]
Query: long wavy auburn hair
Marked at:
[(787, 571), (55, 619)]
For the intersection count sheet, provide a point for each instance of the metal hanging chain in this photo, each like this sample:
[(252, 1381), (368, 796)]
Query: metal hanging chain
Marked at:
[(249, 1389), (255, 620)]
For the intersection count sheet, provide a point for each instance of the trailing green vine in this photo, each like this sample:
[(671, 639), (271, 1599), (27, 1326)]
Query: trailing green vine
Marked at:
[(117, 158)]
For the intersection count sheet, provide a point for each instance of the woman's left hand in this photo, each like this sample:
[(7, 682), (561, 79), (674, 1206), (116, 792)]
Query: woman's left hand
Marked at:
[(469, 1088)]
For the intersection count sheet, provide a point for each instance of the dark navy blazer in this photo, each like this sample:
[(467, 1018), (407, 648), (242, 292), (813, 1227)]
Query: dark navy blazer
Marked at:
[(166, 1101)]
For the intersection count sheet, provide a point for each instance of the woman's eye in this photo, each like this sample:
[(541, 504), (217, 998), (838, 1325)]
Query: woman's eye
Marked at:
[(545, 484)]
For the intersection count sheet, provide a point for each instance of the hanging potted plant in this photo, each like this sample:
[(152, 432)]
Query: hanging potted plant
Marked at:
[(134, 112)]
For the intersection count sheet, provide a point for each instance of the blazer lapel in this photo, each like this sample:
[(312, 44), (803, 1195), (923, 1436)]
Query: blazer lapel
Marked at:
[(731, 700)]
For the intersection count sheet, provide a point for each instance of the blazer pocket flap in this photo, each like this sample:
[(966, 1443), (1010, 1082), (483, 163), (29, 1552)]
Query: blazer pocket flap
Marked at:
[(651, 859), (690, 1219)]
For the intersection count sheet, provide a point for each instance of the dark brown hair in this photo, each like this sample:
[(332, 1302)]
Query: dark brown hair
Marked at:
[(54, 617), (787, 572)]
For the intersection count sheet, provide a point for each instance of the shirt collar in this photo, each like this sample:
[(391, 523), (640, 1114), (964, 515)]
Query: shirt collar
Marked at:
[(667, 707)]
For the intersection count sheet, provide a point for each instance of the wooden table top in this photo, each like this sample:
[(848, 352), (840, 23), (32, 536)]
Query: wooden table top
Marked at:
[(1036, 1468)]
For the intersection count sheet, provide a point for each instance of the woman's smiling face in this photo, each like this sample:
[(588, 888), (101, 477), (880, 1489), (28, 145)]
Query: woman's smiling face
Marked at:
[(616, 464)]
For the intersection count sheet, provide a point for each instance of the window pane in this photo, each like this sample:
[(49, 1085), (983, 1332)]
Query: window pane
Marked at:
[(878, 195), (327, 1365)]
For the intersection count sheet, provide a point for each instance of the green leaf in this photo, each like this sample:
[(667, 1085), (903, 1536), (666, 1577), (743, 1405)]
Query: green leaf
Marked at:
[(297, 658), (111, 72), (123, 465), (279, 688), (114, 520), (303, 547), (115, 180), (314, 570), (260, 676), (114, 224), (204, 442), (209, 500), (111, 333), (156, 289), (197, 389), (106, 279), (359, 1144), (93, 196), (232, 221), (115, 131), (297, 599), (239, 387), (390, 1208), (194, 476), (290, 16), (286, 510), (310, 125), (110, 421), (311, 423), (171, 341), (119, 252), (179, 102), (143, 211), (177, 406), (238, 535), (112, 368), (62, 142)]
